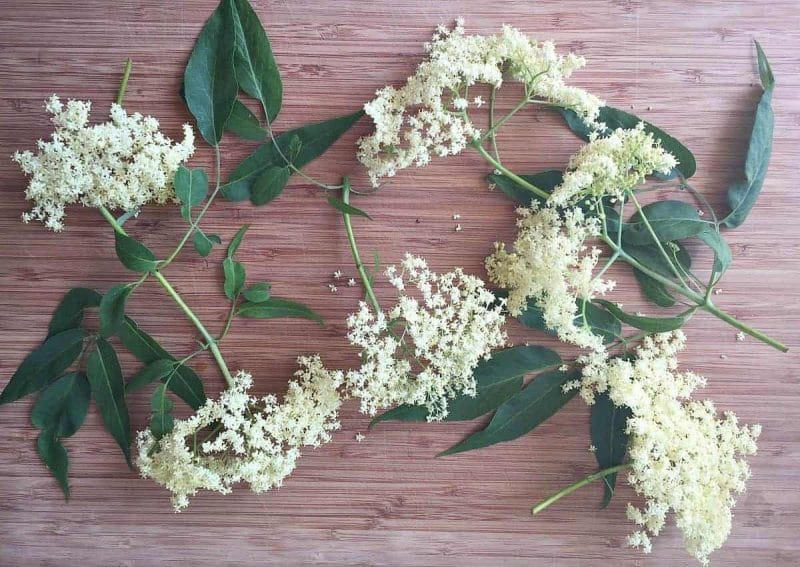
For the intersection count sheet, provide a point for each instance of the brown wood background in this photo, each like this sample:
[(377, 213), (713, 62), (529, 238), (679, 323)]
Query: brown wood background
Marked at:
[(687, 66)]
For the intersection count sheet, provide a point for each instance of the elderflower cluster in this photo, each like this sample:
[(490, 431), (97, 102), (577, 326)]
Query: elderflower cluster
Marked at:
[(551, 265), (612, 165), (684, 458), (425, 116), (424, 350), (240, 438), (120, 164)]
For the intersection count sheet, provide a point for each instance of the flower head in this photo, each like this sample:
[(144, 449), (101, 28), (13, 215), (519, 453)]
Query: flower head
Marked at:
[(120, 164)]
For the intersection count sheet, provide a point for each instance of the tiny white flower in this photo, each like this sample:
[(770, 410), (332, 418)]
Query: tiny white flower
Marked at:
[(360, 437), (337, 275), (351, 282), (740, 336), (478, 101), (333, 288), (458, 228)]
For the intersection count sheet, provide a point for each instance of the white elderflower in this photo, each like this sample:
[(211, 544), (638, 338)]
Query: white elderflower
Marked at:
[(415, 122), (239, 438), (551, 264), (424, 350), (120, 164), (612, 165), (683, 457)]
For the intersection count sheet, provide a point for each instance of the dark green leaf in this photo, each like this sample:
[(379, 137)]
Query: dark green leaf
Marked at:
[(44, 364), (314, 140), (156, 370), (615, 118), (346, 208), (544, 180), (108, 389), (599, 321), (670, 220), (236, 241), (276, 307), (535, 403), (258, 292), (133, 254), (235, 276), (269, 184), (652, 258), (203, 242), (69, 313), (210, 85), (191, 185), (649, 324), (161, 422), (256, 70), (654, 290), (722, 252), (610, 439), (62, 406), (112, 309), (54, 455), (244, 123), (743, 194)]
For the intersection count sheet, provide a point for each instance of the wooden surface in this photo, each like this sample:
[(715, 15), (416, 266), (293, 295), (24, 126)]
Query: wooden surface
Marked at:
[(687, 66)]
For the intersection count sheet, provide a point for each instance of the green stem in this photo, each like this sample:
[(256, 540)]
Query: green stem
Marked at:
[(492, 136), (508, 173), (580, 484), (126, 73), (495, 127), (362, 271), (652, 232)]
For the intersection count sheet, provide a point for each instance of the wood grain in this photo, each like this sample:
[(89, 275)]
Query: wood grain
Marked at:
[(687, 66)]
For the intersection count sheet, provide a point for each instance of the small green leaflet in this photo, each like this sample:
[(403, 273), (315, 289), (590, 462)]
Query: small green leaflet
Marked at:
[(203, 242), (156, 370), (649, 324), (112, 309), (615, 118), (108, 389), (255, 67), (235, 277), (161, 422), (44, 364), (597, 319), (670, 220), (313, 139), (191, 185), (276, 307), (69, 313), (346, 208), (236, 241), (243, 123), (62, 406), (610, 439), (743, 194), (258, 292), (523, 412), (545, 180), (655, 291), (210, 86), (496, 380), (54, 455), (722, 252), (269, 184), (133, 254)]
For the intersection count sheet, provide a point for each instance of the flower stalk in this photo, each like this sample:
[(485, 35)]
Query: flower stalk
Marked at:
[(577, 485), (362, 270)]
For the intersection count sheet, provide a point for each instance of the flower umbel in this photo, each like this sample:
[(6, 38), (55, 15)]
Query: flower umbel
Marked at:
[(120, 164)]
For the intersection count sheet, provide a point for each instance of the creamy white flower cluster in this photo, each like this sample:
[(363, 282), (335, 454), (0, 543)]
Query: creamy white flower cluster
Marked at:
[(239, 438), (424, 350), (120, 164), (423, 117), (612, 165), (551, 264), (683, 457)]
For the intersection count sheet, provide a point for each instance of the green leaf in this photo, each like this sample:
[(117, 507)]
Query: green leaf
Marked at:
[(236, 241), (742, 195), (314, 140), (69, 313), (496, 380), (649, 324), (722, 252), (610, 439), (255, 67), (44, 364), (108, 389), (243, 123), (545, 180), (156, 370), (276, 307), (203, 242), (346, 208), (191, 185), (615, 118), (598, 320), (258, 292), (654, 290), (652, 258), (186, 384), (112, 309), (62, 406), (210, 85), (54, 455), (534, 404), (161, 422), (235, 276), (670, 220), (133, 254), (269, 184)]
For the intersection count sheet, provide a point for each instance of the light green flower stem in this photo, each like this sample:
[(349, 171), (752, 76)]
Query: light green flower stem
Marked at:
[(580, 484), (362, 271), (703, 302), (172, 292)]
